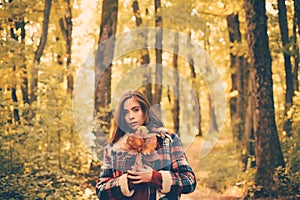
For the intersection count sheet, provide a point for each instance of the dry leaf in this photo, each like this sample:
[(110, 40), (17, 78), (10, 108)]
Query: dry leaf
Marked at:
[(141, 141)]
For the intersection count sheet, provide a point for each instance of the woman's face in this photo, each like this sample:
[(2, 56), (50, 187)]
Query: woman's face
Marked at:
[(134, 116)]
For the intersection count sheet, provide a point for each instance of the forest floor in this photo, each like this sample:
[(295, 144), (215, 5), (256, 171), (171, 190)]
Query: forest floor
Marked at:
[(202, 192)]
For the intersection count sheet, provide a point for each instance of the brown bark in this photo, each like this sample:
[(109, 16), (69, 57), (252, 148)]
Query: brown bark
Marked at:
[(235, 68), (24, 75), (19, 23), (197, 90), (213, 120), (268, 150), (40, 49), (287, 65), (14, 97), (43, 38), (248, 140), (24, 86), (296, 32), (59, 58), (103, 64), (59, 149), (136, 12), (66, 27), (239, 73), (145, 58), (158, 53), (176, 106)]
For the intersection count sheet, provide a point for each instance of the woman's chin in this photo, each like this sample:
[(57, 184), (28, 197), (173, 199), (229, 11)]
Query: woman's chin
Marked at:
[(134, 129)]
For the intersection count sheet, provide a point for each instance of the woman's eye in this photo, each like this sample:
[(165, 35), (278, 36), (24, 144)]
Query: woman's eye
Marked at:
[(136, 110)]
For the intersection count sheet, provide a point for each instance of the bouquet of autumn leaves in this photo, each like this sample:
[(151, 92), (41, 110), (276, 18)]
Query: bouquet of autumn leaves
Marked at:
[(142, 145)]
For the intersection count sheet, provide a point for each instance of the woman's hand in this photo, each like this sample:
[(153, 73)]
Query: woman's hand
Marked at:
[(144, 176), (160, 130)]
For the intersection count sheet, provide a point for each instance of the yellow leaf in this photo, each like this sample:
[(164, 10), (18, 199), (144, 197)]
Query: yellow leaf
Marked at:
[(284, 133)]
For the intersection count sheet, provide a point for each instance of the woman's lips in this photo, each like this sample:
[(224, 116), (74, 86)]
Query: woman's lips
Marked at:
[(133, 124)]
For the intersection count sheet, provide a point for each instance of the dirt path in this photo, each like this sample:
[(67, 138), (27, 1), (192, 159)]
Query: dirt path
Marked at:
[(203, 193), (200, 193)]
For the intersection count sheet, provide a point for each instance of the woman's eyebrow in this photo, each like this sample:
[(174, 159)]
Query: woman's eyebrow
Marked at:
[(134, 107)]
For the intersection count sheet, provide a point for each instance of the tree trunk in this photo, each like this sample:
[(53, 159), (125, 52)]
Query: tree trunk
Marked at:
[(213, 127), (39, 51), (59, 58), (176, 106), (268, 149), (195, 84), (14, 97), (213, 120), (287, 65), (238, 67), (24, 85), (104, 57), (19, 24), (136, 12), (296, 31), (66, 27), (145, 59), (59, 149), (158, 53), (248, 140), (237, 78), (16, 115)]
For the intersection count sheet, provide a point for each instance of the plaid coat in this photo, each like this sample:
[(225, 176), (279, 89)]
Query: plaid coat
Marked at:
[(177, 176)]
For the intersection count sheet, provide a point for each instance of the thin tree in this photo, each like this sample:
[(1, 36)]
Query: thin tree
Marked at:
[(15, 117), (18, 33), (39, 51), (176, 106), (145, 58), (158, 53), (289, 93), (197, 88), (18, 24), (14, 98), (241, 124), (213, 120), (268, 149), (103, 65), (66, 27), (238, 77), (248, 139), (24, 86), (296, 46)]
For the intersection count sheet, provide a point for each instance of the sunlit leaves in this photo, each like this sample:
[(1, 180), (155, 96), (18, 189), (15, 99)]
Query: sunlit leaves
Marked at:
[(18, 9), (29, 149)]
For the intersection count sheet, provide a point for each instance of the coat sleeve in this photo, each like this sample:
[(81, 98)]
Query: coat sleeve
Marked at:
[(108, 186), (180, 179)]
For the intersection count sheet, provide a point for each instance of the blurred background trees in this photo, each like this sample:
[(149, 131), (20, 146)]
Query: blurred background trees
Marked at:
[(45, 43)]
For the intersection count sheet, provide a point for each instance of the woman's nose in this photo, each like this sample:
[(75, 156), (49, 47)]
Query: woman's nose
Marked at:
[(131, 115)]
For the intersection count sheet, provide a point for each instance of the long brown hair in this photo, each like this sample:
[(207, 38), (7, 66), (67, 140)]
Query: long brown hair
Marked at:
[(151, 117)]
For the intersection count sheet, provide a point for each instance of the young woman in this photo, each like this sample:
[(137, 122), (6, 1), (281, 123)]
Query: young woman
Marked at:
[(165, 177)]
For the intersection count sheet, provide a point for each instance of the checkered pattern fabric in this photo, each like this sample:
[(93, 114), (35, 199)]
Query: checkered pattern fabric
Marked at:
[(169, 157)]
